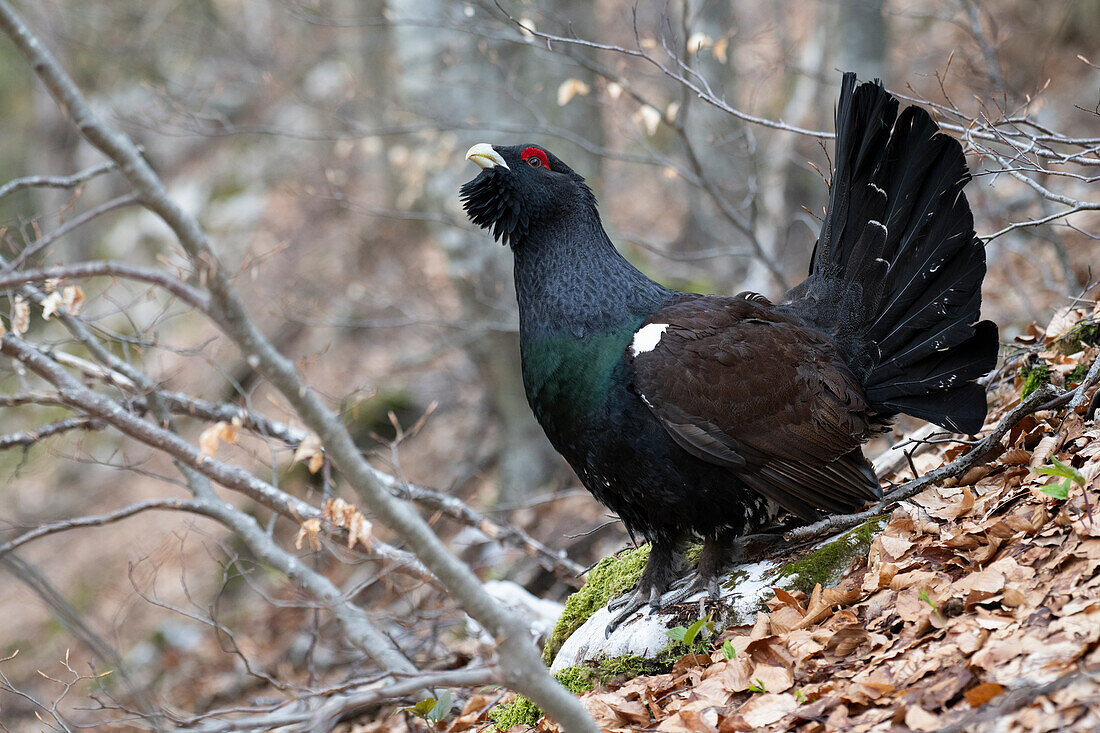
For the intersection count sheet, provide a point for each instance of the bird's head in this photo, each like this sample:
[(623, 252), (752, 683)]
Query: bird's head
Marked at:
[(521, 187)]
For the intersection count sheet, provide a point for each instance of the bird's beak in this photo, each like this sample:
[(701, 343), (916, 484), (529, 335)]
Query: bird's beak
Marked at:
[(484, 156)]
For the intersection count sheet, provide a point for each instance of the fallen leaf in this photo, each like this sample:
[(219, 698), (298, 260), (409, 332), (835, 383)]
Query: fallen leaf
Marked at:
[(767, 708), (920, 719), (773, 678), (983, 693), (1040, 456)]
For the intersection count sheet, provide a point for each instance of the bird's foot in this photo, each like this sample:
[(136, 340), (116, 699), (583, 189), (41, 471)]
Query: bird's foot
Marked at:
[(680, 592), (630, 604), (690, 586)]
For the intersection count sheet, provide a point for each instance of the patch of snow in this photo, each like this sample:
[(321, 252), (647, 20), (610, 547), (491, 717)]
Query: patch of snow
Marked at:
[(745, 599)]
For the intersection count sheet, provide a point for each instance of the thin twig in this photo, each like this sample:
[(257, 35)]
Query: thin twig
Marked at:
[(27, 438), (55, 181), (72, 224), (181, 290), (65, 525)]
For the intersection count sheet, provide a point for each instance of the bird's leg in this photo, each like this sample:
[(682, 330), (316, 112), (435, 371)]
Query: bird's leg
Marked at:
[(659, 571), (719, 553)]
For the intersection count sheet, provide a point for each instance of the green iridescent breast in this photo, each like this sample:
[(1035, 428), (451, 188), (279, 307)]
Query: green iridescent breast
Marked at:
[(568, 379)]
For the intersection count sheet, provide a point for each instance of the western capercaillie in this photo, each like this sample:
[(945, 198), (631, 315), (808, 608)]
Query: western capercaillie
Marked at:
[(704, 415)]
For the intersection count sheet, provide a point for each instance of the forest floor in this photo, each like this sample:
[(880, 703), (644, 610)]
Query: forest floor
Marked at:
[(977, 608)]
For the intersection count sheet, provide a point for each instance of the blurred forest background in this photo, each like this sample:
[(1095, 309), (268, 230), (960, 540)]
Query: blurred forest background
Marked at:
[(321, 146)]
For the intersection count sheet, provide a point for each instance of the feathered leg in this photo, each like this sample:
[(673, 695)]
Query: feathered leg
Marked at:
[(660, 570)]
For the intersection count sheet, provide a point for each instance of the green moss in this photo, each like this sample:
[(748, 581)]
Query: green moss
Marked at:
[(735, 579), (576, 679), (1085, 333), (827, 564), (628, 667), (611, 577), (522, 711), (1078, 374), (1034, 375)]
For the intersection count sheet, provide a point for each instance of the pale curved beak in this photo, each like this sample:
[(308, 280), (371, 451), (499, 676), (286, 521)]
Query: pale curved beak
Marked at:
[(484, 156)]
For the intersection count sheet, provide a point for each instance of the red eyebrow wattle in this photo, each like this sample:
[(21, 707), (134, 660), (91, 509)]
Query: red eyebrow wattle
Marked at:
[(535, 153)]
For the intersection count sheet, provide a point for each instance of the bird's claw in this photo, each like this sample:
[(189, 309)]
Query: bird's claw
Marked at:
[(629, 605), (691, 586)]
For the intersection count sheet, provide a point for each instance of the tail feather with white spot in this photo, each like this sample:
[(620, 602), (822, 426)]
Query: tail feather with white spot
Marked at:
[(897, 270)]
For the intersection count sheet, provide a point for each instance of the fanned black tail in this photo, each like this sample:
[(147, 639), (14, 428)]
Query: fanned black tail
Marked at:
[(897, 271)]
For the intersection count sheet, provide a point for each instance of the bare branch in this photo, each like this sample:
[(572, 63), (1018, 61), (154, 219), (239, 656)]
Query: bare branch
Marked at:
[(94, 521), (522, 663), (75, 223), (76, 395), (186, 293), (55, 181), (1032, 223), (27, 438)]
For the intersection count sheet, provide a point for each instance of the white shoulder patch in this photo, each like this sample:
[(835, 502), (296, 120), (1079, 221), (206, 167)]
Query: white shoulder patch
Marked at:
[(647, 337)]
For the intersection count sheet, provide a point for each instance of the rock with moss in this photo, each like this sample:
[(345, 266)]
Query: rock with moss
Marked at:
[(645, 633), (580, 639), (611, 577)]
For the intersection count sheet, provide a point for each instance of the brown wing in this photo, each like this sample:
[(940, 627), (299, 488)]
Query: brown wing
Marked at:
[(740, 385)]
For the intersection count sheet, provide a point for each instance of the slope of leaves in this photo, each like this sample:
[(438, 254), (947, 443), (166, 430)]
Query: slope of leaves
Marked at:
[(977, 606)]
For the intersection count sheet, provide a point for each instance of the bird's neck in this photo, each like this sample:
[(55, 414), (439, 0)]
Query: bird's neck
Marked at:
[(572, 282), (580, 302)]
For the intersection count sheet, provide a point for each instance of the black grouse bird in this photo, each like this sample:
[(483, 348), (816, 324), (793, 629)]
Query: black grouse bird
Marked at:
[(707, 415)]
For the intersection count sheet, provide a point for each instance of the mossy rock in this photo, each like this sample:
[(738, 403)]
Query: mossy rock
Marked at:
[(611, 577), (744, 592)]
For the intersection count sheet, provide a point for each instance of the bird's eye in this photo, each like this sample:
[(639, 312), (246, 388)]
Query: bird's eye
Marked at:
[(535, 158)]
